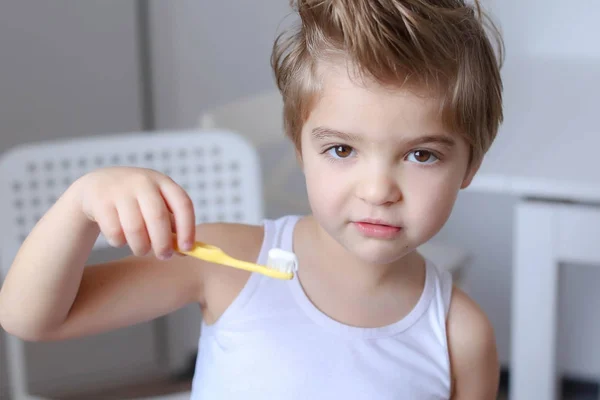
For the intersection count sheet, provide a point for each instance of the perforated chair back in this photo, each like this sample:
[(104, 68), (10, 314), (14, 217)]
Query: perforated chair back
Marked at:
[(219, 169)]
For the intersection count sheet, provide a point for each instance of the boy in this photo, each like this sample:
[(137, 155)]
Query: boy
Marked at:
[(392, 105)]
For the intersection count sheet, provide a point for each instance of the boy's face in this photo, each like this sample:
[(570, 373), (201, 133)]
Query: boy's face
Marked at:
[(382, 172)]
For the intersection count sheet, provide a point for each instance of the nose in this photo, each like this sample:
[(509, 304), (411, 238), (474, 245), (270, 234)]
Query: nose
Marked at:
[(379, 188)]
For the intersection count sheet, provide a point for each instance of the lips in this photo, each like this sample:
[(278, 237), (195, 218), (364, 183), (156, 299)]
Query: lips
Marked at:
[(376, 228)]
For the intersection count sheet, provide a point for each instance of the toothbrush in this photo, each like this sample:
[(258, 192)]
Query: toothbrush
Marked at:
[(281, 264)]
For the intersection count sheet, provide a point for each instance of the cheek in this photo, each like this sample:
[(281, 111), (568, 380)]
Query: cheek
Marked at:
[(324, 186), (430, 200)]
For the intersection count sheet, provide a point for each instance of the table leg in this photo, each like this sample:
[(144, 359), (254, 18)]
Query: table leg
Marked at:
[(534, 303)]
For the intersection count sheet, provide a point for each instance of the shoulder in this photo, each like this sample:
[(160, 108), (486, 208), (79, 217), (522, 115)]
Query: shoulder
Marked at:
[(241, 241), (237, 240), (473, 354), (221, 284)]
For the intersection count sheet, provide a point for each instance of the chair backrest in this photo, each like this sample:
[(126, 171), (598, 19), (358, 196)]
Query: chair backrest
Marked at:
[(219, 169)]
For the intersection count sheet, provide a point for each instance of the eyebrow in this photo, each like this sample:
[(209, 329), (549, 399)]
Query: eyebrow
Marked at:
[(324, 133), (441, 139)]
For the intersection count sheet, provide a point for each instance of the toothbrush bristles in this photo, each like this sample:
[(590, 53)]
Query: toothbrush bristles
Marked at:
[(283, 261)]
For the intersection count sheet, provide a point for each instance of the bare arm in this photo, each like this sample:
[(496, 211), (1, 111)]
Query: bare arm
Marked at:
[(124, 293), (473, 355), (42, 283), (48, 294)]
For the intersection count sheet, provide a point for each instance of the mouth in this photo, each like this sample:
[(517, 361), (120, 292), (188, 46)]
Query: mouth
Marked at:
[(376, 228)]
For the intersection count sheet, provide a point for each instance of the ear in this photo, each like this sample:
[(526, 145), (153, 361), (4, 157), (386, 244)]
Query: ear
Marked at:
[(470, 173)]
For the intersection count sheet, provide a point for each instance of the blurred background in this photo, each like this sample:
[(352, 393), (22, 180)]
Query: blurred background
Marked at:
[(79, 68)]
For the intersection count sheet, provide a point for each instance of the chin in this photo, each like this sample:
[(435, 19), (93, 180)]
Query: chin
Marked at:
[(380, 252), (379, 259)]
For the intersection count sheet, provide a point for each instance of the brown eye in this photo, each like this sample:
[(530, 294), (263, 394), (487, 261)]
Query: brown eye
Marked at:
[(423, 157), (343, 151)]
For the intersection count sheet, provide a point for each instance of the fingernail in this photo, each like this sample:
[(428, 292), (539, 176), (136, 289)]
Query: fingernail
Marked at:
[(187, 245), (167, 255)]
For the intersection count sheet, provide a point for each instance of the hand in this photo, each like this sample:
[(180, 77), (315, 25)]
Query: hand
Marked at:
[(138, 207)]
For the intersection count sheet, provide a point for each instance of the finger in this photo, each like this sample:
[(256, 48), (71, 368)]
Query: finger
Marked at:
[(133, 226), (182, 208), (172, 219), (110, 226), (158, 224), (173, 234)]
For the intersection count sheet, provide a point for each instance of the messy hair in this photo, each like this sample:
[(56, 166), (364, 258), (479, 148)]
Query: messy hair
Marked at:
[(441, 45)]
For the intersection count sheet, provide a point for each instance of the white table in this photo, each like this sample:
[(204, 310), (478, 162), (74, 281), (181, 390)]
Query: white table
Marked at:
[(546, 155)]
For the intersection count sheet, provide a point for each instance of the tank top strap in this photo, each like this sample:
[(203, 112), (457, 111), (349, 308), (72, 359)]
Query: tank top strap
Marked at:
[(446, 285), (285, 232)]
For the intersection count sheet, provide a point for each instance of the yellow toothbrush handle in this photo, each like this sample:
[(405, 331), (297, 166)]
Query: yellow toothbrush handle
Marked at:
[(215, 255)]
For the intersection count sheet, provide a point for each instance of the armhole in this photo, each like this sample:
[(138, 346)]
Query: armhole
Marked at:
[(253, 282), (267, 243), (446, 287)]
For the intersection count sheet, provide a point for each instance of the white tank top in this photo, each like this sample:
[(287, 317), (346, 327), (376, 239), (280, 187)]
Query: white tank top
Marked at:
[(273, 343)]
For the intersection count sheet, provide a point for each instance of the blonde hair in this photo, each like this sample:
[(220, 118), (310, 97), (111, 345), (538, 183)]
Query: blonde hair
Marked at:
[(434, 44)]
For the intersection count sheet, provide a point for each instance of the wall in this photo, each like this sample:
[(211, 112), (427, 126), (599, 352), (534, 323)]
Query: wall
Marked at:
[(70, 69), (207, 54)]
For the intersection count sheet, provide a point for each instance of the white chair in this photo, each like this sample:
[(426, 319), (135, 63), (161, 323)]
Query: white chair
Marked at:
[(260, 119), (219, 170)]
